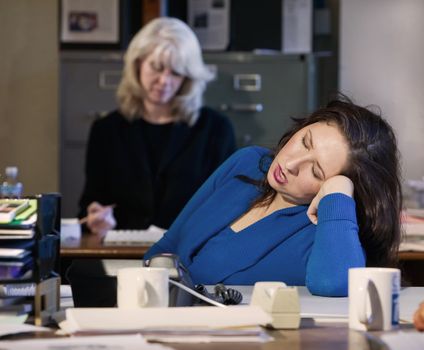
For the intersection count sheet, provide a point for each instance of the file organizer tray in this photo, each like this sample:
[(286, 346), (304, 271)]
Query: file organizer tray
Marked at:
[(45, 252)]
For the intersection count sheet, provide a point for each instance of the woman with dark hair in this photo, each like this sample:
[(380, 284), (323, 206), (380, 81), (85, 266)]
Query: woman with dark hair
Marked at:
[(328, 198)]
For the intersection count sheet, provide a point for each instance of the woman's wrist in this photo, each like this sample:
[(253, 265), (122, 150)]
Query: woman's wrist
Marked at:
[(338, 184)]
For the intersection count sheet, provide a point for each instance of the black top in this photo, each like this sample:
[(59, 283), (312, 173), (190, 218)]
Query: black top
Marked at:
[(155, 138), (149, 171)]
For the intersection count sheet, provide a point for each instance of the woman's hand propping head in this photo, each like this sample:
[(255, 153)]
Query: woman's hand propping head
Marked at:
[(335, 184)]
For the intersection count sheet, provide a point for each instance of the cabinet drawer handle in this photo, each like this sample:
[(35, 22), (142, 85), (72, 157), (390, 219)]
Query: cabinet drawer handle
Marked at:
[(241, 107), (109, 79), (247, 82)]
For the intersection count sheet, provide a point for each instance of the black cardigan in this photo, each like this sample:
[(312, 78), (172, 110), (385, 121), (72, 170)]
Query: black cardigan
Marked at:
[(118, 171)]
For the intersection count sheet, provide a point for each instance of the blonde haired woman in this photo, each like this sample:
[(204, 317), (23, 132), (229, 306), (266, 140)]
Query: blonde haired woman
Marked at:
[(145, 160)]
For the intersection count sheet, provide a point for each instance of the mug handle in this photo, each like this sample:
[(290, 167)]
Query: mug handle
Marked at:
[(369, 289), (362, 304), (142, 293)]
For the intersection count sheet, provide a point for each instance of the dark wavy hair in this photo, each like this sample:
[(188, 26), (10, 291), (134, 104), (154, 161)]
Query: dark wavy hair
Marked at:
[(373, 167)]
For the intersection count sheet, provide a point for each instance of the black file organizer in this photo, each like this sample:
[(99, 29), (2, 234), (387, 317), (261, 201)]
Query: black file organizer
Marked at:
[(45, 252)]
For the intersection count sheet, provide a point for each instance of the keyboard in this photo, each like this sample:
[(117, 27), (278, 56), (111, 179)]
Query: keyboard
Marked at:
[(134, 237)]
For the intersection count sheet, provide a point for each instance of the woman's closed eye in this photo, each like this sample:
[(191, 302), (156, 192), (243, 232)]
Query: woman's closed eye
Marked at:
[(304, 142), (307, 144), (157, 66)]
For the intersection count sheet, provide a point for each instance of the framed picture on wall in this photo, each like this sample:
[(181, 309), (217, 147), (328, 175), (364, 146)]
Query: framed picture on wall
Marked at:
[(98, 24)]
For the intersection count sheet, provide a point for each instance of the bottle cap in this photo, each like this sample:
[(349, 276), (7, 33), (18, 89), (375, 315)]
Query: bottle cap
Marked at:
[(11, 171)]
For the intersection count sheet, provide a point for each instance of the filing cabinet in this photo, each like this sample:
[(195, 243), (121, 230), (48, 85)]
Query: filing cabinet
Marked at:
[(88, 85), (259, 92)]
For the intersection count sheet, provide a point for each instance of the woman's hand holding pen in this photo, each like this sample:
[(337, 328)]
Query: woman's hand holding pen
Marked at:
[(99, 218)]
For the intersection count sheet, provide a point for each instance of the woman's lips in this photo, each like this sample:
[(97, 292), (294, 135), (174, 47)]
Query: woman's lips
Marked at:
[(279, 175)]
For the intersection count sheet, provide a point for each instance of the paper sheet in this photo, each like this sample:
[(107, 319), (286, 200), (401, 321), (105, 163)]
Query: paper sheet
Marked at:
[(20, 328), (122, 342), (412, 340), (297, 26), (12, 320), (210, 21), (200, 318)]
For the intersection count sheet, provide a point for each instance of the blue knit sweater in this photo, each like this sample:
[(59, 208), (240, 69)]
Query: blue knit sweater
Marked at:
[(284, 246)]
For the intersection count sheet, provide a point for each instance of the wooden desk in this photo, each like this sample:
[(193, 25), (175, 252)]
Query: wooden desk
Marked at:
[(412, 266), (316, 336), (411, 256), (334, 336), (91, 246)]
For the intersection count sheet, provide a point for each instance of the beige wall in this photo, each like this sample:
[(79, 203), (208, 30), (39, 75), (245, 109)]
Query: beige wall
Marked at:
[(381, 50), (29, 73)]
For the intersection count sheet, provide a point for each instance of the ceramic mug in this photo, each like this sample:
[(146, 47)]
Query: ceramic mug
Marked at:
[(374, 298), (140, 287)]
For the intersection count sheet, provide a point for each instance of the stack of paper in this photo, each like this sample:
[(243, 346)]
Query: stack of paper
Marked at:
[(177, 324), (21, 224), (413, 225)]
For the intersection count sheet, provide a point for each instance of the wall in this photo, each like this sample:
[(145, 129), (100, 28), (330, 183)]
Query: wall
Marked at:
[(29, 92), (381, 62)]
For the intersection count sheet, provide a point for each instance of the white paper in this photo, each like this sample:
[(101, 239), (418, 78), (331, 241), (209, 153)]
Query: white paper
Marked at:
[(412, 340), (20, 328), (407, 246), (122, 342), (313, 306), (201, 318), (413, 229), (297, 26), (336, 308), (210, 20), (70, 232)]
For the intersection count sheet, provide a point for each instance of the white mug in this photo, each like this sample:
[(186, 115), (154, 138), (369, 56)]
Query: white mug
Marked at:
[(143, 287), (374, 298)]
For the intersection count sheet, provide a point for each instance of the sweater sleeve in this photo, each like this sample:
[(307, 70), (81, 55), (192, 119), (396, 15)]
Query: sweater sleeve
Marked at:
[(168, 243), (336, 247)]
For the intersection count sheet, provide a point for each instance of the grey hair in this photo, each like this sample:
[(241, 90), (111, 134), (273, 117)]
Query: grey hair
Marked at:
[(172, 40)]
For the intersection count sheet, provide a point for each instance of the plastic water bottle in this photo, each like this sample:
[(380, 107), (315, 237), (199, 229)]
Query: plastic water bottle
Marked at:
[(11, 187)]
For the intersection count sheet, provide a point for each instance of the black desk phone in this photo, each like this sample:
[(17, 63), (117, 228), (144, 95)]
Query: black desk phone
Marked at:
[(179, 273)]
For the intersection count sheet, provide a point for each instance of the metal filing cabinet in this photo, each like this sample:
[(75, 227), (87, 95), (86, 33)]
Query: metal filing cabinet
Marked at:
[(261, 92), (258, 92), (88, 85)]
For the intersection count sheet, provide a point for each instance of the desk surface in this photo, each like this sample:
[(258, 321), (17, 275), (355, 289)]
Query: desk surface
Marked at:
[(311, 335), (334, 336), (91, 246)]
